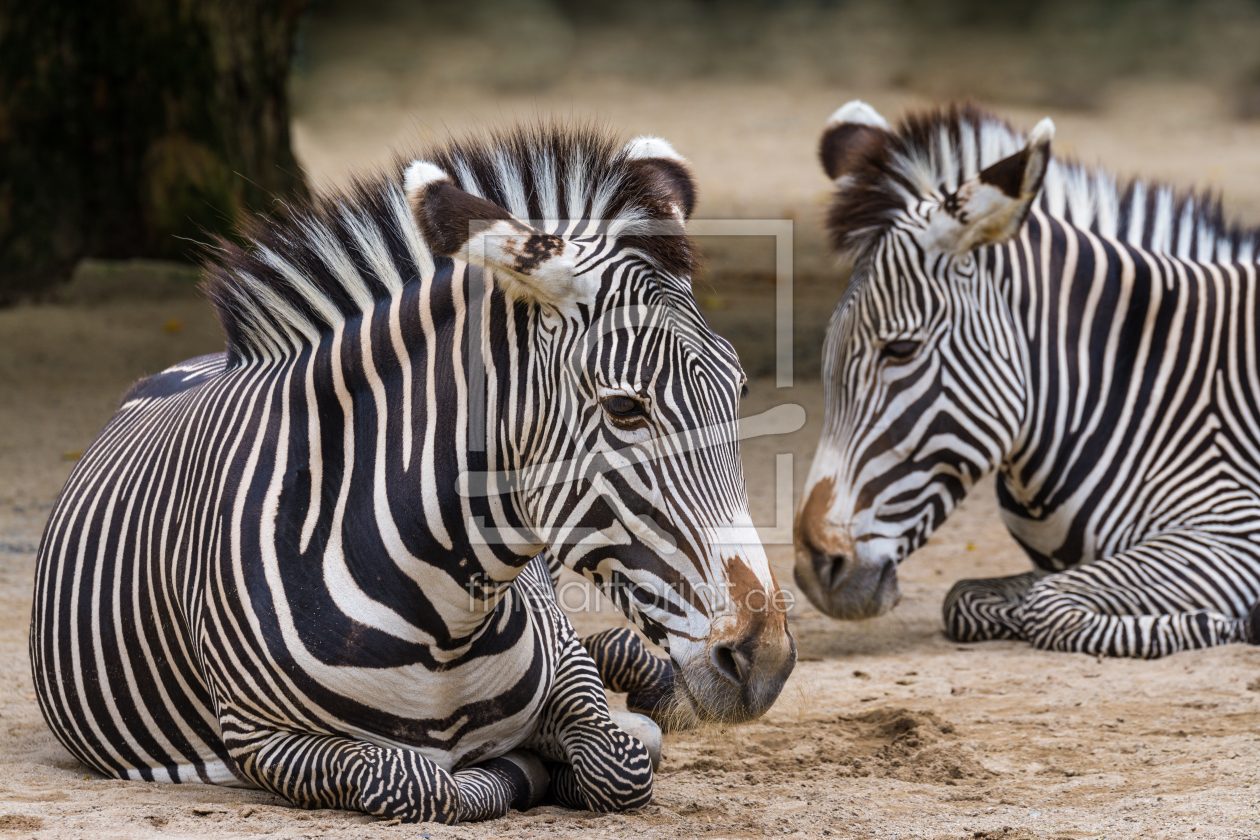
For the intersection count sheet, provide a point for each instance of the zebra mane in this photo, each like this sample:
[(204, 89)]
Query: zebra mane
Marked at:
[(939, 149), (312, 265)]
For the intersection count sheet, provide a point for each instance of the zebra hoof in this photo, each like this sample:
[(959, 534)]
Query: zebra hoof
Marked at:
[(1252, 628), (535, 774), (643, 728)]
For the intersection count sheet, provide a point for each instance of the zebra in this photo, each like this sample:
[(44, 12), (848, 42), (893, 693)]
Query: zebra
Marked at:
[(1090, 340), (311, 563)]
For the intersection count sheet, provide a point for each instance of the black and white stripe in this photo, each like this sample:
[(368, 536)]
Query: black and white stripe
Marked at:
[(305, 564), (1093, 342)]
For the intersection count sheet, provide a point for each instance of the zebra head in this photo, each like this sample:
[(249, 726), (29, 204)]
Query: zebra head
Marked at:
[(617, 432), (924, 378)]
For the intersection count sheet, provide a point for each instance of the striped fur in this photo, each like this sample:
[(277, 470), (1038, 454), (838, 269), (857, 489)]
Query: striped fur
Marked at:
[(625, 665), (934, 152), (1100, 357), (305, 564)]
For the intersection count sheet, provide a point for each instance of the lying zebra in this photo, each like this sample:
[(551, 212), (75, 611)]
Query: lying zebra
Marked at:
[(1093, 342), (305, 564)]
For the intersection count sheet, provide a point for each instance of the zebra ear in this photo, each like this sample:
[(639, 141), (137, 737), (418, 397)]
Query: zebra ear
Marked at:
[(536, 265), (664, 176), (991, 207), (853, 130)]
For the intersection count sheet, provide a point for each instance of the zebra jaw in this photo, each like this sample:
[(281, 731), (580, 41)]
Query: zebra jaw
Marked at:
[(841, 578), (843, 587)]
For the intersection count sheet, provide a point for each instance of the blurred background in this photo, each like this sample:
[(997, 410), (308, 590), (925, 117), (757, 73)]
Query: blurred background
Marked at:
[(138, 128), (132, 131)]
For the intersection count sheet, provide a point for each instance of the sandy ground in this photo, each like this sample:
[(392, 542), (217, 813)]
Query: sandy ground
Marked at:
[(886, 729)]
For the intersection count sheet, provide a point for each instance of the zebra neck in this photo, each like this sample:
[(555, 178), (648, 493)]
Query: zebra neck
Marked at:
[(1101, 319), (1033, 279), (387, 433)]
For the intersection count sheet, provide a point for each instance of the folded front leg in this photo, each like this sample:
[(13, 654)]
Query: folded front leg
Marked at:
[(1183, 590), (626, 665), (599, 766), (515, 781), (327, 771), (985, 609)]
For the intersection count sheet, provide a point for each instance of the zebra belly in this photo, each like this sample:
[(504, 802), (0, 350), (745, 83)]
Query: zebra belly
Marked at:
[(155, 717), (115, 675), (1043, 540), (458, 717), (124, 686), (143, 651)]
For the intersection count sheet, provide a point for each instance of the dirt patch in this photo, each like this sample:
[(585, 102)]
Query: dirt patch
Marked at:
[(887, 743), (914, 746), (20, 822)]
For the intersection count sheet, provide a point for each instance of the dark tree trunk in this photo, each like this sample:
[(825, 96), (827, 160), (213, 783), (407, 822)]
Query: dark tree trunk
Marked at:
[(129, 127)]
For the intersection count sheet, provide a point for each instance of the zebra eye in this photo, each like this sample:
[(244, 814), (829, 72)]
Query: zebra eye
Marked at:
[(900, 350), (624, 408)]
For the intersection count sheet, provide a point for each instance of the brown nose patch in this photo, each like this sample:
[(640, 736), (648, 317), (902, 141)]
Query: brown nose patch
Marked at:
[(757, 610), (811, 521)]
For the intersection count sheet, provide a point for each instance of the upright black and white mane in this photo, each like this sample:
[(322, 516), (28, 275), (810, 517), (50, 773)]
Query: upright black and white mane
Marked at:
[(933, 152), (313, 265)]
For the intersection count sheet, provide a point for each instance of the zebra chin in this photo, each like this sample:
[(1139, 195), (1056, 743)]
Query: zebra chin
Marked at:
[(730, 681), (840, 577)]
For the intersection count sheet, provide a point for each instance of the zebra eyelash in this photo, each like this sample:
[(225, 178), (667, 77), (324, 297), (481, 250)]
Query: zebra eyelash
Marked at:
[(900, 350), (627, 412)]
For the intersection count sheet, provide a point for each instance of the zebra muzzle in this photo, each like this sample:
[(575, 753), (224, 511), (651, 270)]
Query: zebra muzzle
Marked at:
[(845, 586), (737, 679)]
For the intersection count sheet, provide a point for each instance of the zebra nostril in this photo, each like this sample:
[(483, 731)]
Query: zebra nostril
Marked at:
[(832, 570), (887, 573), (726, 662)]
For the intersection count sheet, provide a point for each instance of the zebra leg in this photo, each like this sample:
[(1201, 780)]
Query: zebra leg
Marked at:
[(327, 771), (1166, 595), (626, 665), (988, 608), (597, 766), (490, 789)]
